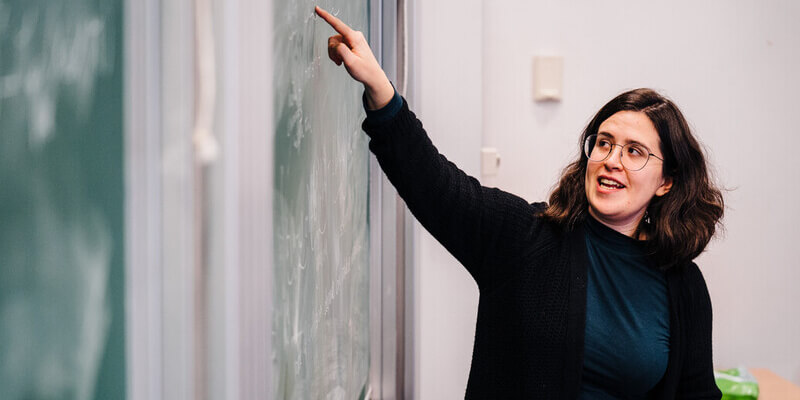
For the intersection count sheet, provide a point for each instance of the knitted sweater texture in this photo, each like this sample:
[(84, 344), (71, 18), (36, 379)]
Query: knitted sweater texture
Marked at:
[(532, 278)]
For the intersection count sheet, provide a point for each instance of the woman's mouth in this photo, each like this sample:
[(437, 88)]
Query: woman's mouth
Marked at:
[(609, 184)]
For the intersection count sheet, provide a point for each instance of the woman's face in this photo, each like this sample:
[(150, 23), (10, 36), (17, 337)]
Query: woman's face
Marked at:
[(622, 203)]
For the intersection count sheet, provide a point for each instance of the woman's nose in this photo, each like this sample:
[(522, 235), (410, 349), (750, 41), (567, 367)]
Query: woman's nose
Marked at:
[(614, 160)]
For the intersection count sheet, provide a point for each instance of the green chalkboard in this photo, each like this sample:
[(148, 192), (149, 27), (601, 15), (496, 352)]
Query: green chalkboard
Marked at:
[(321, 276), (61, 200)]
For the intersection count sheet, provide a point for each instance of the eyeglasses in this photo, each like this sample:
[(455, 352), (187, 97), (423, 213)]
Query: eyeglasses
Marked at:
[(634, 156)]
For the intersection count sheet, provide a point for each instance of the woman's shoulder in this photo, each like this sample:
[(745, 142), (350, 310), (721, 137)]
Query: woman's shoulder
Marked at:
[(693, 286), (545, 232), (694, 277), (538, 207)]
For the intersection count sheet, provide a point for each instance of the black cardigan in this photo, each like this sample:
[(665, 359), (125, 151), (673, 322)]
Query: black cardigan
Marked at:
[(532, 278)]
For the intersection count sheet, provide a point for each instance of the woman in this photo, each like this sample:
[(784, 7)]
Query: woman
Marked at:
[(593, 295)]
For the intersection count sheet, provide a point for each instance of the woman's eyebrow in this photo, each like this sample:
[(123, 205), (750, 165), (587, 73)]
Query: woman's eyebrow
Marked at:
[(606, 134), (629, 141)]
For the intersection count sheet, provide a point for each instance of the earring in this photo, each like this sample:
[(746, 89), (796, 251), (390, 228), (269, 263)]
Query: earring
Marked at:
[(647, 217)]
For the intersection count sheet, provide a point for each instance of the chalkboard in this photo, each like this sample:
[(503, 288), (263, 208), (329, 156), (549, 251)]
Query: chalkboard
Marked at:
[(321, 277), (61, 200)]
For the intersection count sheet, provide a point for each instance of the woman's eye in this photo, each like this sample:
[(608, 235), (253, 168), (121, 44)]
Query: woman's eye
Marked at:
[(603, 143), (636, 151)]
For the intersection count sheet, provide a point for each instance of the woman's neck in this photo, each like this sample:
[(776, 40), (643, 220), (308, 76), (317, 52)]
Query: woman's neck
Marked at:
[(626, 227)]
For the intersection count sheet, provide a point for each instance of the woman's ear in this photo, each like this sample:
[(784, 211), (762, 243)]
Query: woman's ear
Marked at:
[(665, 186)]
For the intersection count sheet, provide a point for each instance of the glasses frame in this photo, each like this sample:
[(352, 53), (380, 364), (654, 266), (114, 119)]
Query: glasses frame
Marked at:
[(649, 154)]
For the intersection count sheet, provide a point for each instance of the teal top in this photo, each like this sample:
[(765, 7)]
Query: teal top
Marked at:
[(626, 345)]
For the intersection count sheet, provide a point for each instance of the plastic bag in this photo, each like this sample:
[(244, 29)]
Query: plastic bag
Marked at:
[(737, 384)]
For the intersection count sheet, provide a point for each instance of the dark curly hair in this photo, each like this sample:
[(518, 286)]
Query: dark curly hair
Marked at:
[(680, 223)]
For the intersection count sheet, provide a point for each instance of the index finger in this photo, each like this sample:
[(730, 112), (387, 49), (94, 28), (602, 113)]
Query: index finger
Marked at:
[(334, 22)]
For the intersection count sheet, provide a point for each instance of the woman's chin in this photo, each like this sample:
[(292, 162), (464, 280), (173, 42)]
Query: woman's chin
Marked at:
[(606, 212), (599, 206)]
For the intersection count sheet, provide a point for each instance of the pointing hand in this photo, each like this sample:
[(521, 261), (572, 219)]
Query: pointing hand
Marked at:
[(350, 48)]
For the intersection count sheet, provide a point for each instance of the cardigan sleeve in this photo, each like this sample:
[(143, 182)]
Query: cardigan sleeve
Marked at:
[(697, 376), (484, 228), (387, 112)]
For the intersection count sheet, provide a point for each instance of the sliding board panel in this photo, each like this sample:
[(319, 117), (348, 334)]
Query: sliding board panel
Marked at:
[(321, 233), (61, 200)]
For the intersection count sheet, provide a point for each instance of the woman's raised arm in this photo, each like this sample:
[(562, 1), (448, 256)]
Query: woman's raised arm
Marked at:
[(486, 229)]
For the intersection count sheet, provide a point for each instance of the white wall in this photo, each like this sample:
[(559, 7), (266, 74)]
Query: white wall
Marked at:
[(729, 65)]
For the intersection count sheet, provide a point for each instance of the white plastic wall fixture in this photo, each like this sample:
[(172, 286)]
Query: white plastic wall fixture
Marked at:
[(548, 78), (490, 161)]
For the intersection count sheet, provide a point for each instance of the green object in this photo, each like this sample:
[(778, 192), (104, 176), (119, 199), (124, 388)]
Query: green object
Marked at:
[(320, 320), (62, 314), (736, 384)]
